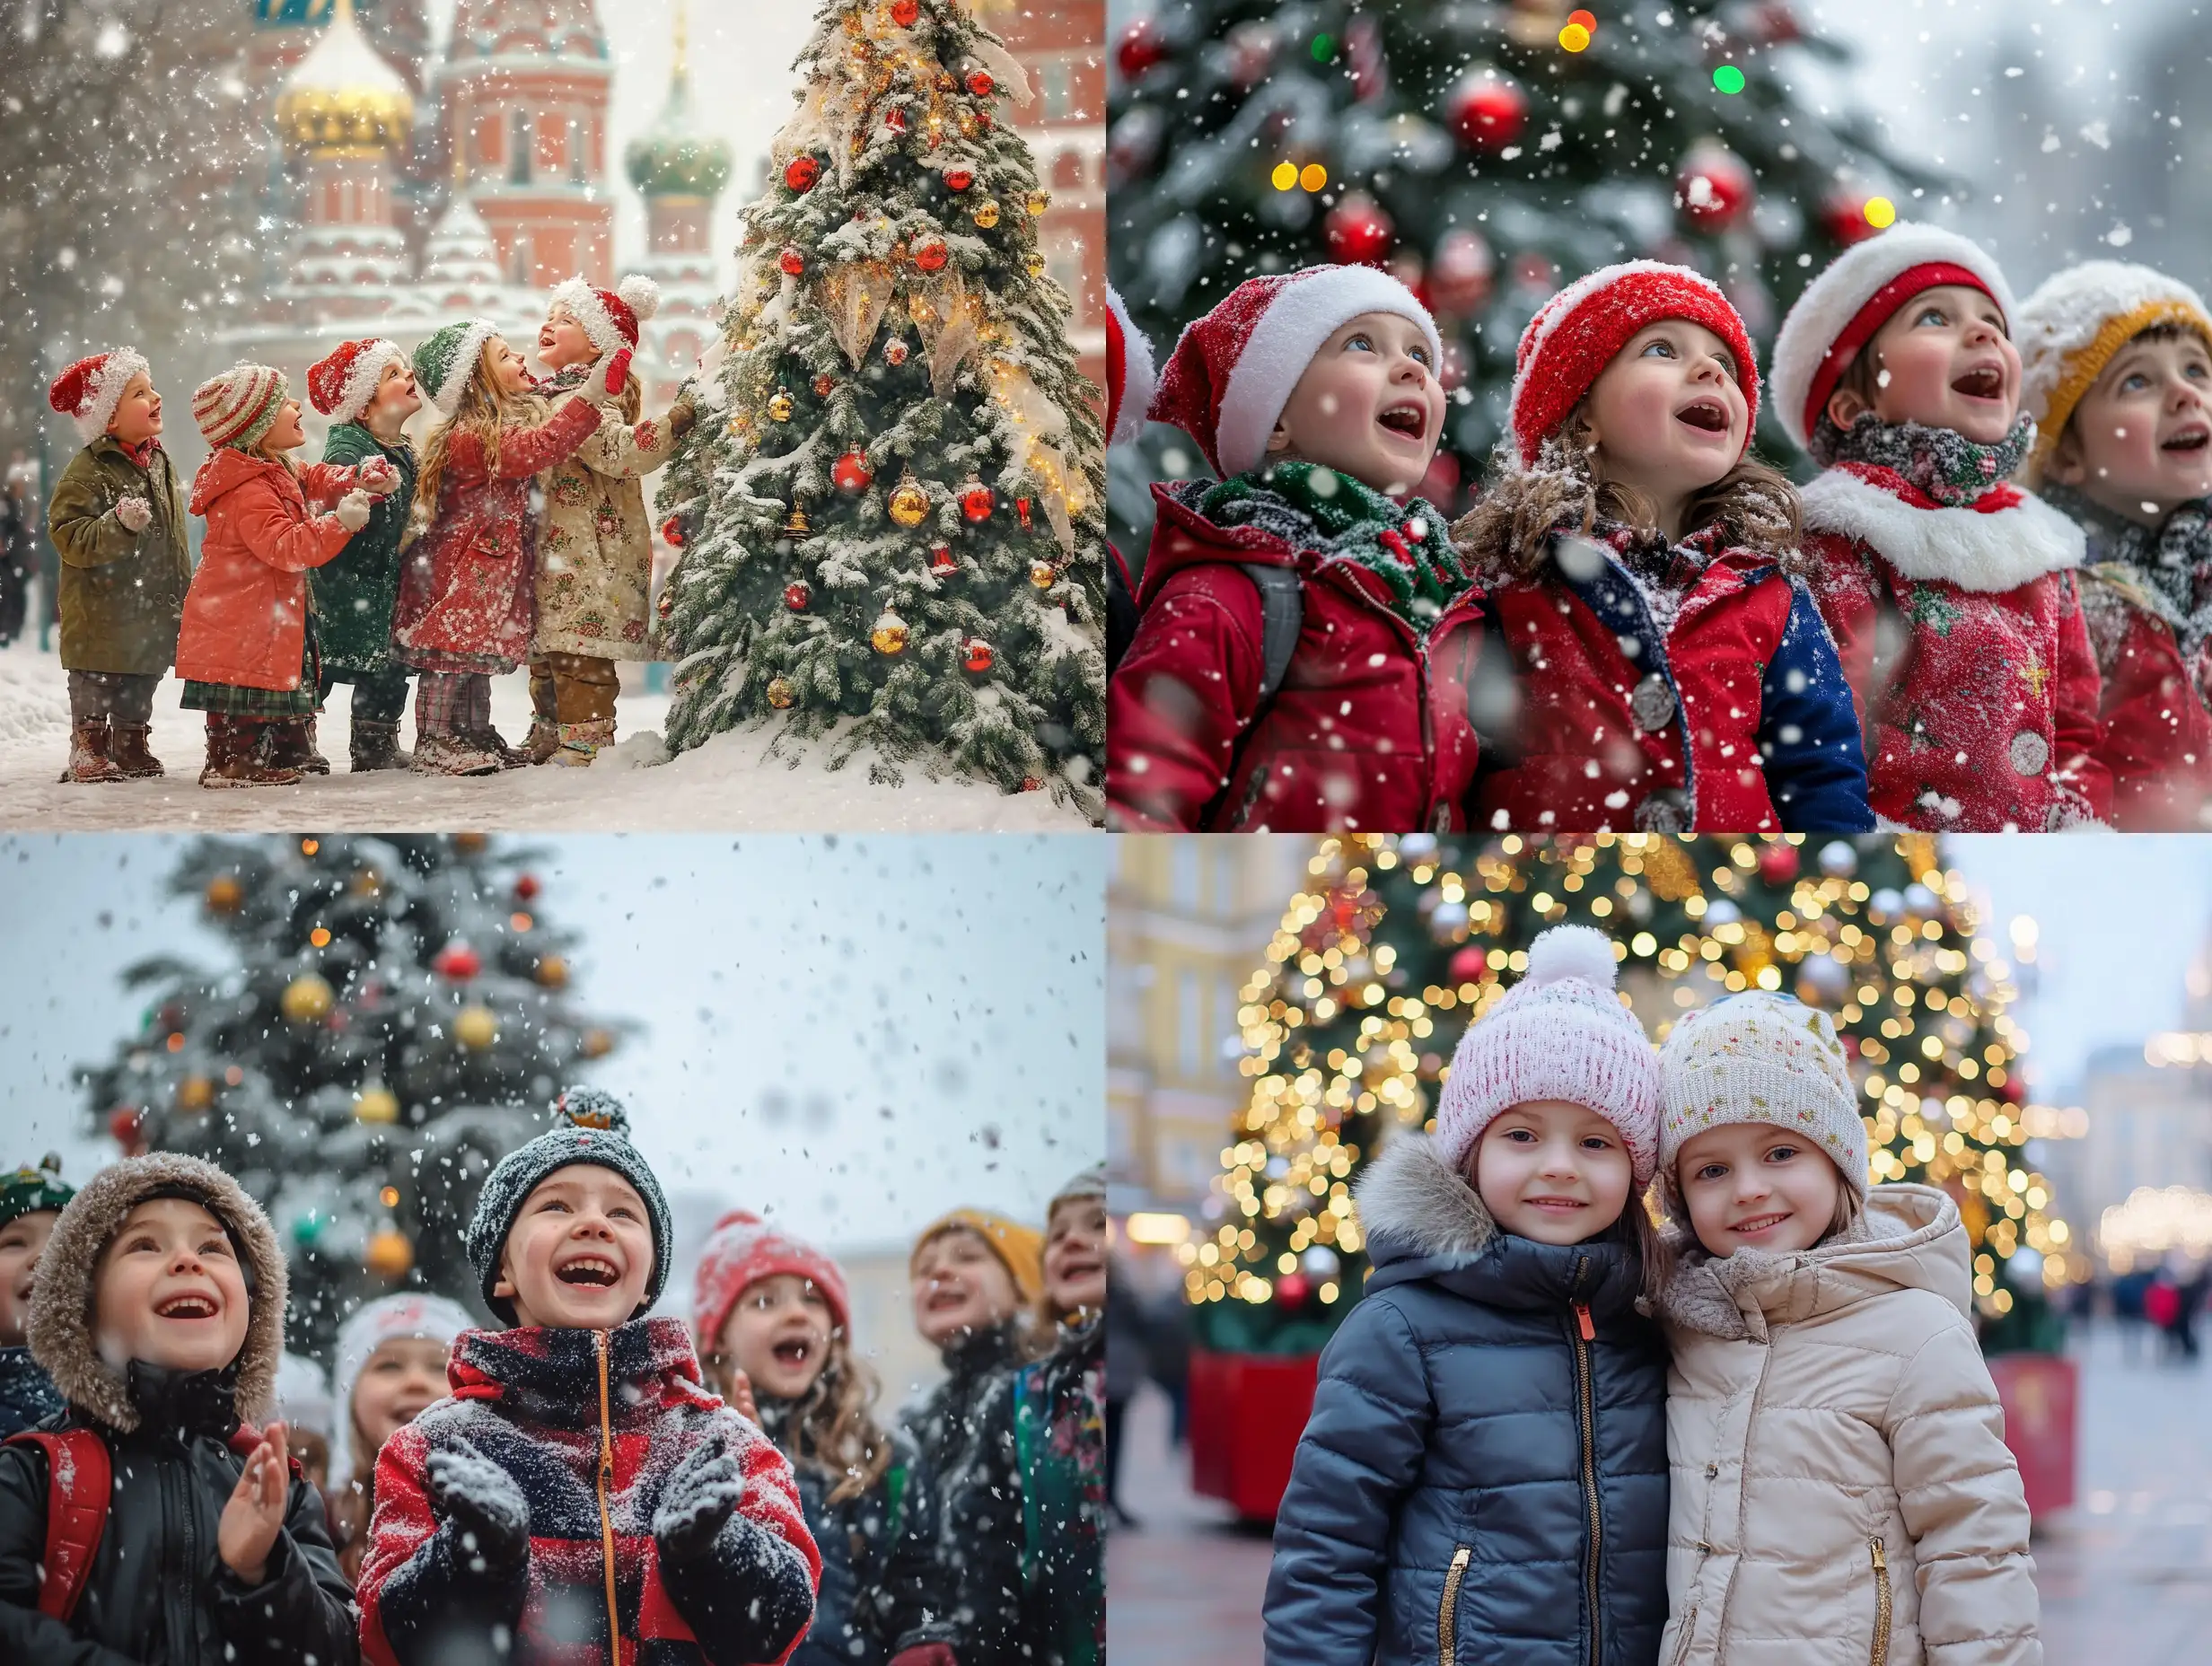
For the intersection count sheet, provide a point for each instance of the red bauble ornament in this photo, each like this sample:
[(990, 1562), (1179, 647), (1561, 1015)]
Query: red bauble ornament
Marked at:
[(980, 84), (1774, 24), (895, 118), (1462, 275), (1713, 189), (127, 1126), (941, 561), (671, 531), (801, 172), (2013, 1091), (1777, 862), (904, 12), (1141, 47), (930, 257), (823, 384), (792, 261), (1292, 1289), (1358, 230), (976, 500), (1843, 216), (979, 655), (1487, 110), (526, 890), (458, 961), (797, 594), (1031, 783), (852, 473), (957, 179), (1468, 966), (895, 352)]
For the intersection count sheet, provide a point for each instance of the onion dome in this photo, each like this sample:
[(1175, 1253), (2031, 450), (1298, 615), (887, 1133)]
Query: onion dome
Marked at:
[(343, 99), (675, 159)]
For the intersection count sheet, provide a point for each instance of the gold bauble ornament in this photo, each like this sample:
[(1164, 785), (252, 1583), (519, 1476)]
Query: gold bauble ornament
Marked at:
[(475, 1027), (1043, 575), (307, 999), (553, 972), (1035, 264), (796, 527), (390, 1255), (597, 1043), (378, 1105), (909, 504), (986, 213), (889, 634), (224, 894), (782, 696), (1036, 202), (195, 1094), (780, 405)]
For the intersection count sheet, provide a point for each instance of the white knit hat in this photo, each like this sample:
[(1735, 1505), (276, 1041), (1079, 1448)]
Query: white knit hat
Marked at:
[(1561, 1033), (1844, 306), (2070, 329), (387, 1318), (1759, 1057)]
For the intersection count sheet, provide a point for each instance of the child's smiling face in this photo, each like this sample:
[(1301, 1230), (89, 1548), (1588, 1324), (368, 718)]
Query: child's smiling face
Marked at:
[(20, 1241), (1553, 1170), (2140, 441), (1076, 1256), (138, 414), (1667, 415), (959, 1285), (580, 1252), (403, 1376), (395, 395), (778, 1335), (170, 1290), (1369, 406), (505, 367), (1752, 1185), (1945, 361), (562, 341)]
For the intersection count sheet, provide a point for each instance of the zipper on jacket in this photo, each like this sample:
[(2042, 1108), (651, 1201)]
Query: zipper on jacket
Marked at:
[(606, 1522), (1447, 1610), (1880, 1655), (1585, 1333)]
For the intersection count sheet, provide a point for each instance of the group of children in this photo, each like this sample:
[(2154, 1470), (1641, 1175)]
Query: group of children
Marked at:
[(517, 535), (581, 1482), (1550, 1431), (1988, 611)]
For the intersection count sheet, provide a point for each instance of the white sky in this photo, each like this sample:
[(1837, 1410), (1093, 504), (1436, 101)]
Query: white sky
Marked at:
[(793, 991)]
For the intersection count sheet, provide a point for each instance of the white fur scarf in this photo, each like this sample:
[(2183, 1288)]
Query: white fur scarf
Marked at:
[(1991, 553)]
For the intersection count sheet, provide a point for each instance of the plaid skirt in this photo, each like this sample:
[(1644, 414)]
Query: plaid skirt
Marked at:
[(226, 699)]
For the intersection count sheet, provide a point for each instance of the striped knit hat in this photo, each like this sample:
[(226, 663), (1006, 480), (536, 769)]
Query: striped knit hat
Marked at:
[(342, 384), (2071, 328), (239, 406), (444, 363)]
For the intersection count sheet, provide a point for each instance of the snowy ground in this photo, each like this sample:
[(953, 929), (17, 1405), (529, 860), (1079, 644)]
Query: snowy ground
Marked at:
[(729, 785)]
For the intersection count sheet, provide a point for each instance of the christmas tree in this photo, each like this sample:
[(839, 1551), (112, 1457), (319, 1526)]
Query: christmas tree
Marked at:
[(1485, 151), (892, 518), (1380, 966), (395, 1017)]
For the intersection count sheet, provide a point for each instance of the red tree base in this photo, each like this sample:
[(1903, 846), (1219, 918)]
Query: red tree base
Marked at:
[(1247, 1412)]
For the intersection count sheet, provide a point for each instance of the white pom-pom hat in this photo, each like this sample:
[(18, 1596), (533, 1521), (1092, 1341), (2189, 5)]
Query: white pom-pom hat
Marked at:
[(1844, 306), (408, 1313), (2070, 329), (1560, 1033), (610, 317)]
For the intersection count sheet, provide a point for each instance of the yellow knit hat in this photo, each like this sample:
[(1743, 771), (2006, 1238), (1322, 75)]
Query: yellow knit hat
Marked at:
[(2071, 328), (1020, 1248)]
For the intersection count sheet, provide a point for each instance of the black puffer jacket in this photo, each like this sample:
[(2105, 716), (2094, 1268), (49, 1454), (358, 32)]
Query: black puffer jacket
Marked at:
[(855, 1537), (158, 1594), (27, 1394), (1476, 1482)]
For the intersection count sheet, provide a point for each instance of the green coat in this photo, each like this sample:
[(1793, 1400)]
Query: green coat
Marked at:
[(121, 593), (356, 591)]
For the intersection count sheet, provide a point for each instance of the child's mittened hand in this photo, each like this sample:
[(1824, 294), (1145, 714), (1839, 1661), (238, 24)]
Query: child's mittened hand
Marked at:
[(353, 510), (618, 370), (254, 1514), (483, 1502), (699, 1496), (377, 477), (135, 512)]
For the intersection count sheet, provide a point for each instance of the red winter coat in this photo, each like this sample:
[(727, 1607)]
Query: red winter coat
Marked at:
[(1369, 731), (1599, 740), (1962, 633), (468, 595), (245, 615), (2157, 733)]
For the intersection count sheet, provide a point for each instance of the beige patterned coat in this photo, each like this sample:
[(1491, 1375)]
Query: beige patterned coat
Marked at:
[(595, 544)]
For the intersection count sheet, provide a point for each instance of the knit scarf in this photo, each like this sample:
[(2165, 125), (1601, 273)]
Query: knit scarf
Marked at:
[(1942, 462), (549, 1374), (1315, 507), (2173, 558)]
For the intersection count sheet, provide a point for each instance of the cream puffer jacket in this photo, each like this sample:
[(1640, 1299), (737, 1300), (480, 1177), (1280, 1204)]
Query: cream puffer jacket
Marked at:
[(1842, 1495)]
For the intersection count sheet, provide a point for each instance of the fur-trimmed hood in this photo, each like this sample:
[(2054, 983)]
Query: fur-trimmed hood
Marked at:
[(1992, 550), (61, 1302)]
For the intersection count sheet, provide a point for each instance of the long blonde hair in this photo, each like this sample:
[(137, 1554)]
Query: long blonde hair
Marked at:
[(832, 1428), (484, 410)]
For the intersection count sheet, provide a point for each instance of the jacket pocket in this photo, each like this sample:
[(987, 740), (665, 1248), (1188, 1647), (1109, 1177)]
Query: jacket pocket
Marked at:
[(1447, 1610), (1880, 1653)]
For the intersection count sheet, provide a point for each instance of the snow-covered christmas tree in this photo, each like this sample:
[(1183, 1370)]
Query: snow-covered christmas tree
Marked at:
[(396, 1017), (892, 515)]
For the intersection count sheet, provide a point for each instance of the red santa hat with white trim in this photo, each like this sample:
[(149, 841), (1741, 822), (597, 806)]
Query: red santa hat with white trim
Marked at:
[(1844, 306), (342, 384), (610, 317), (89, 390), (1130, 379), (1577, 334), (1233, 370)]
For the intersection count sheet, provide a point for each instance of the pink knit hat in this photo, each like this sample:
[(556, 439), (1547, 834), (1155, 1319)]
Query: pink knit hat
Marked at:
[(743, 1249), (1559, 1033)]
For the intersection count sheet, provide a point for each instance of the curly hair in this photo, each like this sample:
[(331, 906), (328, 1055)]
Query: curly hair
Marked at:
[(485, 410), (832, 1428)]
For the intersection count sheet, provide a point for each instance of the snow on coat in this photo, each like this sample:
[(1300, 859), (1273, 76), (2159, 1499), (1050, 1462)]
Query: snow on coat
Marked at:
[(532, 1401), (2158, 741), (245, 617), (1837, 1456), (595, 545), (1961, 632), (119, 593), (1369, 729), (856, 1536), (1482, 1470), (357, 592)]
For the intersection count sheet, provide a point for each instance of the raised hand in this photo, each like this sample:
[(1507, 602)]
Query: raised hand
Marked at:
[(377, 477), (254, 1514), (482, 1501), (135, 512), (739, 1398), (704, 1488)]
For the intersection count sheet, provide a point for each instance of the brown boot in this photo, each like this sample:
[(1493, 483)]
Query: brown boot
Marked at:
[(376, 746), (544, 739), (132, 753), (292, 746), (450, 755), (238, 757), (88, 753)]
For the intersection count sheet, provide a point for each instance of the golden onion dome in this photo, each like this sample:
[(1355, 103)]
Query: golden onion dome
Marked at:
[(343, 99)]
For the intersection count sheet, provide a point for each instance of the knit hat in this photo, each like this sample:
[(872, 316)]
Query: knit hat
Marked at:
[(1577, 334), (1089, 1182), (1844, 306), (387, 1318), (1559, 1033), (610, 317), (342, 385), (1020, 1248), (239, 406), (30, 1191), (595, 1130), (2070, 329), (1759, 1057), (302, 1396), (1130, 378), (743, 1249), (444, 363), (1233, 370), (89, 390)]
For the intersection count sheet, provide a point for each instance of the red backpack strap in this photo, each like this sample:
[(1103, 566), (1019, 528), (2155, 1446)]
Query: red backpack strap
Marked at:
[(79, 1480), (246, 1437)]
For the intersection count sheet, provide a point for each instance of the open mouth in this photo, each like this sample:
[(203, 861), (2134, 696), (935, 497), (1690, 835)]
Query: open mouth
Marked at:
[(793, 1352), (945, 1298), (2192, 438), (591, 1270), (1557, 1206), (1706, 416), (1760, 1224), (1984, 382), (1407, 421), (185, 1307)]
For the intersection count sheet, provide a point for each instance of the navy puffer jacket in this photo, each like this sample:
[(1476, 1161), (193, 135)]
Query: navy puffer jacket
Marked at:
[(1476, 1482)]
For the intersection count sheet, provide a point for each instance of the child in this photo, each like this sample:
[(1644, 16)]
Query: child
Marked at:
[(367, 390), (579, 1487), (465, 590), (1308, 636), (392, 1354), (769, 1314), (1672, 669), (117, 522), (594, 545), (246, 646), (1483, 1475), (1841, 1487), (188, 1534), (2117, 372), (30, 1201), (1950, 592)]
